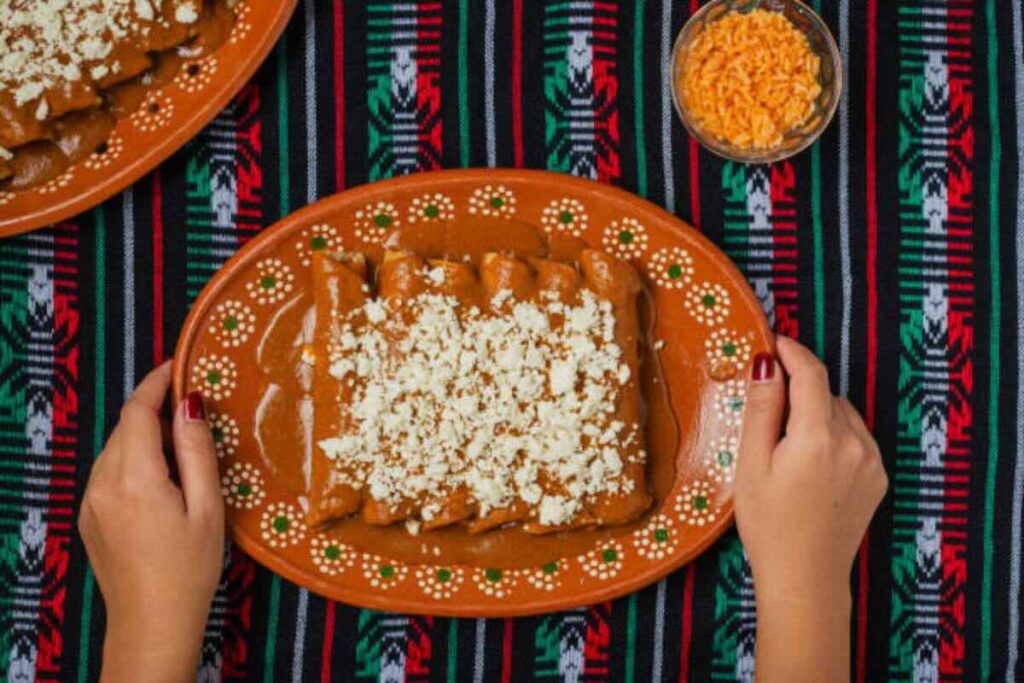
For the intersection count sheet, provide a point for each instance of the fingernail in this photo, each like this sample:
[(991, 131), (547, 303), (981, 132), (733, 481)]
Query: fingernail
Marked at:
[(195, 411), (764, 367)]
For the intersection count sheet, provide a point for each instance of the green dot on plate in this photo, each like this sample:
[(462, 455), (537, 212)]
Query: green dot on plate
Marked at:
[(609, 555), (218, 434), (566, 216), (431, 211), (729, 349), (493, 575), (332, 552), (318, 243), (550, 568), (626, 236), (231, 323), (700, 502), (675, 271), (661, 535), (213, 377), (444, 575), (382, 220), (268, 281), (724, 458), (243, 489), (708, 300), (386, 571), (281, 524), (497, 202)]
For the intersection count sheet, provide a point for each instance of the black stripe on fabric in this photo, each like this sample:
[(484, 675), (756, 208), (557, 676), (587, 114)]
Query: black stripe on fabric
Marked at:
[(142, 212), (326, 129), (356, 108), (1010, 205), (503, 127), (451, 153), (626, 98), (523, 644), (712, 205), (265, 82), (702, 624), (534, 145), (343, 647), (175, 297), (680, 147), (888, 315), (293, 43), (256, 640)]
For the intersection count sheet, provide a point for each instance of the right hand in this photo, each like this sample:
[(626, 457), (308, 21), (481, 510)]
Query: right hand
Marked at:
[(803, 503)]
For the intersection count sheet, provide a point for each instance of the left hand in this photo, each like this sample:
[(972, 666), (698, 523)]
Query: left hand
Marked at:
[(156, 548)]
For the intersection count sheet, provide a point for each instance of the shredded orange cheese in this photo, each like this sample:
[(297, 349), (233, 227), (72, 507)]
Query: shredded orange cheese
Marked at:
[(749, 78)]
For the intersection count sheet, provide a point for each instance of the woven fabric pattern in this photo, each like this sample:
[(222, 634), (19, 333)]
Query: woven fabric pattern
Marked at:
[(894, 248)]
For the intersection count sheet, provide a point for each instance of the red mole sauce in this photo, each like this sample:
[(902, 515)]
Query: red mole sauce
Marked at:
[(283, 421)]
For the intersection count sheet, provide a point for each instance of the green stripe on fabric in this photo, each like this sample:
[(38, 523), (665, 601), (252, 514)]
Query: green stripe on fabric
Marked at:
[(284, 181), (819, 238), (463, 83), (993, 355), (638, 99), (452, 669), (98, 425), (630, 663)]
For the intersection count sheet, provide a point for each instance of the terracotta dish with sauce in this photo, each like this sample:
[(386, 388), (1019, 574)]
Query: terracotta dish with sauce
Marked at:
[(95, 93), (475, 393)]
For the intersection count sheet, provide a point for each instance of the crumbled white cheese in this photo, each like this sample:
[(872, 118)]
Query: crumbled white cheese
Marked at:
[(506, 404), (5, 155), (186, 14), (435, 275), (43, 110)]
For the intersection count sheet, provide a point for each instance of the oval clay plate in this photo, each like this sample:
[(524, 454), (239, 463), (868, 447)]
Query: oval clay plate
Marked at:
[(168, 118), (709, 321)]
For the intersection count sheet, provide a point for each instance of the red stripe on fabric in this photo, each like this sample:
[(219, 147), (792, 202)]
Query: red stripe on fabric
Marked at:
[(339, 95), (428, 94), (63, 445), (418, 646), (687, 629), (861, 618), (158, 269), (517, 82), (782, 190), (597, 641), (506, 652), (606, 89), (328, 645)]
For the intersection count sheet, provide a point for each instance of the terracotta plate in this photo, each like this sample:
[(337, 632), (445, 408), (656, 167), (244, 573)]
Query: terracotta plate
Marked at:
[(167, 119), (707, 317)]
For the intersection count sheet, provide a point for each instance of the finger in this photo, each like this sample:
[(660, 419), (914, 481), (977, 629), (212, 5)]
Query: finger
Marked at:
[(196, 457), (762, 416), (138, 446), (810, 397)]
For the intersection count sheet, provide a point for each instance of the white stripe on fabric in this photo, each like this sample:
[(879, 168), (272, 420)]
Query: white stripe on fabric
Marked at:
[(845, 269), (1014, 616), (479, 651), (489, 125), (298, 650), (666, 106), (658, 658), (128, 249)]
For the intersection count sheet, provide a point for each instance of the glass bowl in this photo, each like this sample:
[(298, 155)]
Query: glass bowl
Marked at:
[(830, 76)]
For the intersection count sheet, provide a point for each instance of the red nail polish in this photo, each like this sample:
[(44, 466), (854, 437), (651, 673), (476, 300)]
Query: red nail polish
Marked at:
[(195, 411), (764, 367)]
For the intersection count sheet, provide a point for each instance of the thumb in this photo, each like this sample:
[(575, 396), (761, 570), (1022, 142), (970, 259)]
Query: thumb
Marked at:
[(762, 417), (197, 458)]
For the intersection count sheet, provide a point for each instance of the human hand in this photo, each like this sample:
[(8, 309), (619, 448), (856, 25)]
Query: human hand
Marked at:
[(803, 503), (156, 547)]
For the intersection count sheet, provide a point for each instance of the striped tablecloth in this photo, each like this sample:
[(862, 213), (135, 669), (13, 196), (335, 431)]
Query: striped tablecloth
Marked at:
[(894, 248)]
